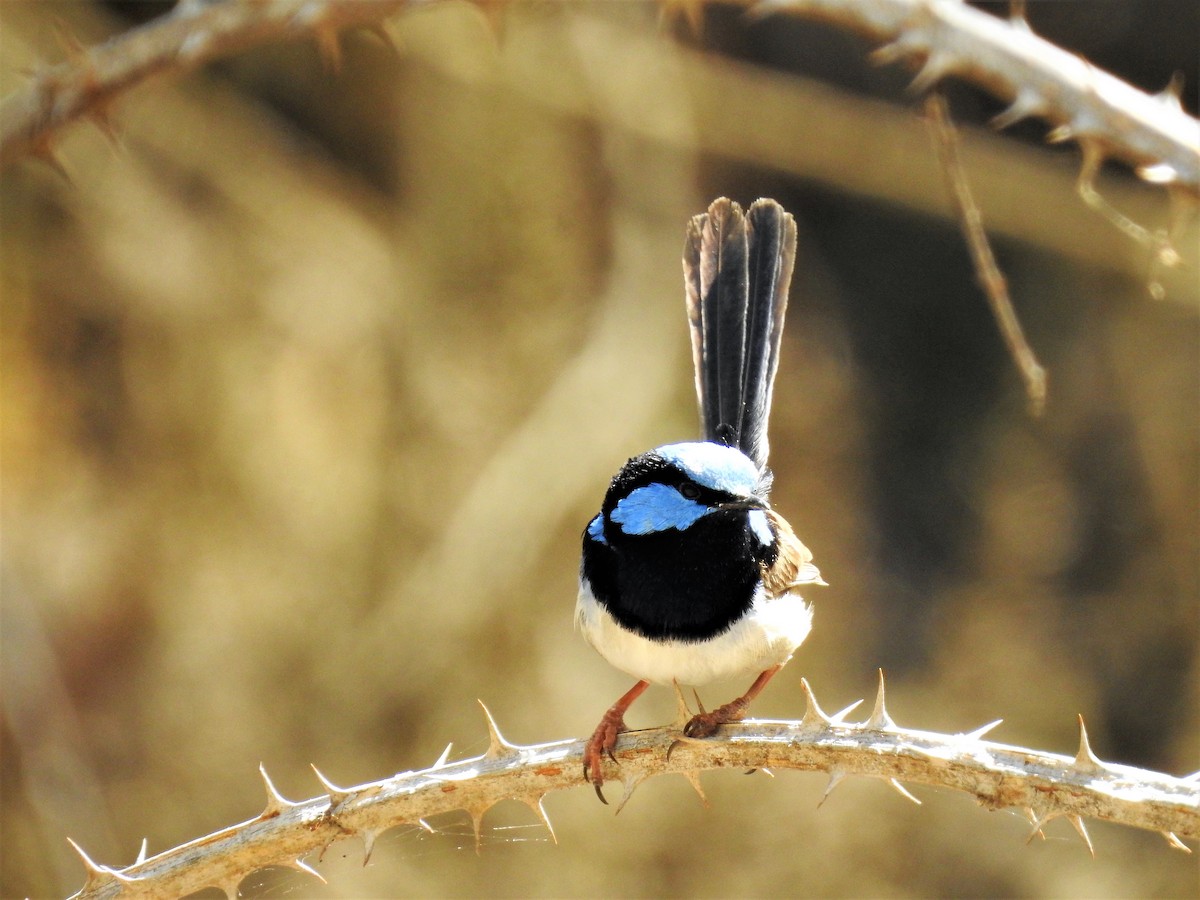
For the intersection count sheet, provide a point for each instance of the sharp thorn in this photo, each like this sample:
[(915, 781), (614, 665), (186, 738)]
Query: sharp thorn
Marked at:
[(498, 747), (699, 705), (835, 778), (1039, 823), (629, 785), (1083, 833), (1171, 94), (276, 802), (1085, 759), (903, 791), (880, 720), (936, 66), (441, 760), (535, 803), (814, 717), (96, 874), (693, 778), (477, 827), (982, 730), (683, 715), (306, 868), (1025, 104), (368, 839), (1175, 842), (141, 857), (426, 826), (337, 795), (838, 717)]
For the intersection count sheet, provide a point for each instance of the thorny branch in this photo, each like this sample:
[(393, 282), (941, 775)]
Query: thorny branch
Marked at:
[(999, 776), (193, 33), (1104, 114)]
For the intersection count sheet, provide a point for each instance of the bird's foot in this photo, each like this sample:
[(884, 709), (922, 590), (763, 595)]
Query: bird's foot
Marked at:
[(704, 724), (602, 742)]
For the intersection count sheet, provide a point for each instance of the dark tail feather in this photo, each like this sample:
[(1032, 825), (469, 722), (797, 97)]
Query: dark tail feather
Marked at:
[(737, 268)]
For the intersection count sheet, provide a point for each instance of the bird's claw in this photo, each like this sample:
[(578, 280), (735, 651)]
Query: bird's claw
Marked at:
[(603, 742)]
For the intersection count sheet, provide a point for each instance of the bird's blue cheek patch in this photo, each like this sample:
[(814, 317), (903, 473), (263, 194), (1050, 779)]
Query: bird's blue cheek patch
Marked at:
[(595, 530), (761, 527), (656, 507)]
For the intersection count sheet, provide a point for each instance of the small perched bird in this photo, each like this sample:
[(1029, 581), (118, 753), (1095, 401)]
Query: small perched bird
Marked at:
[(688, 575)]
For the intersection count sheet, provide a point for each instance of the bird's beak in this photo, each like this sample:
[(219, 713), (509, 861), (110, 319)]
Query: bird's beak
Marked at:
[(746, 503)]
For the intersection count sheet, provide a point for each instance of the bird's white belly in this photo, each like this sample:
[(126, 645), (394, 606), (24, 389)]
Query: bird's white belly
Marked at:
[(766, 636)]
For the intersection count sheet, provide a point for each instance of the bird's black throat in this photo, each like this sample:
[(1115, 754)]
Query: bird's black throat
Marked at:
[(688, 585)]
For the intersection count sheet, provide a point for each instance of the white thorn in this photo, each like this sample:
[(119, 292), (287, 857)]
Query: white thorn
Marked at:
[(814, 718), (368, 839), (683, 715), (276, 803), (1171, 94), (306, 868), (981, 731), (337, 795), (141, 857), (1175, 842), (477, 826), (96, 873), (629, 785), (1026, 103), (535, 803), (441, 760), (426, 826), (1085, 760), (880, 720), (498, 747), (693, 778), (903, 791), (835, 778), (838, 717), (766, 771), (1039, 823), (936, 66), (1083, 833)]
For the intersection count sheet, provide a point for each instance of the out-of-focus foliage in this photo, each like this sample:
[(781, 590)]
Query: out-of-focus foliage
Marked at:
[(309, 387)]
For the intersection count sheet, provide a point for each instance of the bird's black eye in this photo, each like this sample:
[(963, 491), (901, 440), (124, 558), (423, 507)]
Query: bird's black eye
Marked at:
[(689, 490)]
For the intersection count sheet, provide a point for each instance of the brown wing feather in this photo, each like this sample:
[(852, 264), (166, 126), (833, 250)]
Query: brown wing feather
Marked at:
[(793, 564)]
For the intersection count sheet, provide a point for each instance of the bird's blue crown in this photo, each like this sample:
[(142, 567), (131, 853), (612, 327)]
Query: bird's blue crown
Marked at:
[(673, 486)]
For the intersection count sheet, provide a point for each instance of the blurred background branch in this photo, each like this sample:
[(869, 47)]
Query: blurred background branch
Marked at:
[(310, 384)]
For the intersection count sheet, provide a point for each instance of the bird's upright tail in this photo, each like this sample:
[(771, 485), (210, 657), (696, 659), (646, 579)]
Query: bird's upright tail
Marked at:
[(737, 267)]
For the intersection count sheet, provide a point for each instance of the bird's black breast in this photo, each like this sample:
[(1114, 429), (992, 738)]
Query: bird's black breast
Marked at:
[(688, 585)]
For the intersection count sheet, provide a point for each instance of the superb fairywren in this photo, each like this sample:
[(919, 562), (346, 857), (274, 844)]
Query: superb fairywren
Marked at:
[(688, 575)]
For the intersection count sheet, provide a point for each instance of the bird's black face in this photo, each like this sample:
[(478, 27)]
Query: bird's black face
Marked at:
[(678, 547)]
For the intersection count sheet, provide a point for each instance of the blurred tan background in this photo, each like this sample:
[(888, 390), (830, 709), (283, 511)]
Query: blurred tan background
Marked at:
[(310, 386)]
